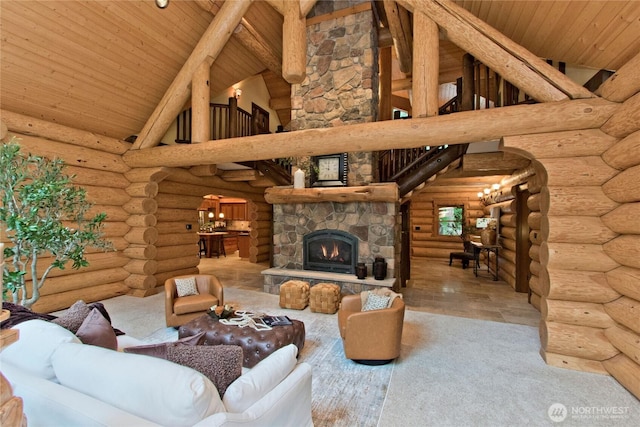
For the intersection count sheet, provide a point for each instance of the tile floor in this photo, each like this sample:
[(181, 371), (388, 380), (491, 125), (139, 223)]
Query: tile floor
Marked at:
[(435, 287)]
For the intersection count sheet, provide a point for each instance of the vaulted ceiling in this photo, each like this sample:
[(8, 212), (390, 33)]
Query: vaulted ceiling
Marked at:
[(103, 66)]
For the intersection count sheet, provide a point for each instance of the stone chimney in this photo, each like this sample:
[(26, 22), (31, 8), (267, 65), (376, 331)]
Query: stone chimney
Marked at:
[(341, 86)]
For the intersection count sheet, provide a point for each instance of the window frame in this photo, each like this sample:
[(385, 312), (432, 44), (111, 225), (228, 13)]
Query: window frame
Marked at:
[(437, 222)]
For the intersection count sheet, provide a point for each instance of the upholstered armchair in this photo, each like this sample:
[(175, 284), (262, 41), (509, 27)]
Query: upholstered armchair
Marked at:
[(370, 337), (180, 310)]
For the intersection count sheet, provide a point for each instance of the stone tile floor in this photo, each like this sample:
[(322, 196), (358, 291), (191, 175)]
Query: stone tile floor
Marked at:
[(435, 287)]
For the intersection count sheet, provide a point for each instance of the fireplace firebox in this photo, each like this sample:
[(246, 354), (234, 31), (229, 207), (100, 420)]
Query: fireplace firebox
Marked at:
[(330, 250)]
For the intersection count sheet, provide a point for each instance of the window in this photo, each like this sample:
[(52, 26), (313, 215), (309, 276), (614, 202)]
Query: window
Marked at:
[(450, 219)]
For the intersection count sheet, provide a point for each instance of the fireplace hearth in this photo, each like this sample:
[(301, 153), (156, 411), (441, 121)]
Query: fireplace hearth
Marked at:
[(330, 250)]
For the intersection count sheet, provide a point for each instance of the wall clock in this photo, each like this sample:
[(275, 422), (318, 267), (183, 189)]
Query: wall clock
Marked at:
[(329, 171)]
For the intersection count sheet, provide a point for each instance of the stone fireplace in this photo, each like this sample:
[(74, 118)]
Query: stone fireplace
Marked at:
[(372, 227)]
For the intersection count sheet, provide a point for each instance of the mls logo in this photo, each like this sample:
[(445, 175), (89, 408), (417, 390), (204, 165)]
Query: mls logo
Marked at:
[(557, 412)]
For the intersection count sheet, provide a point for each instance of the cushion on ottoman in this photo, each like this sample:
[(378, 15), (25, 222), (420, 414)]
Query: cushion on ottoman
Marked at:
[(294, 294), (325, 298)]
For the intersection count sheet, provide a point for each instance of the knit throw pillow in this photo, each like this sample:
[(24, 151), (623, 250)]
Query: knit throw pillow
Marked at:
[(375, 302), (222, 364), (72, 319), (186, 286)]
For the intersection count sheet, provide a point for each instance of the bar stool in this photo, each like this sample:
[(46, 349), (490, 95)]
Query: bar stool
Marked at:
[(202, 247)]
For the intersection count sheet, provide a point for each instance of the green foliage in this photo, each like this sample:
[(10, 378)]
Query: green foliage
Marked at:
[(43, 214)]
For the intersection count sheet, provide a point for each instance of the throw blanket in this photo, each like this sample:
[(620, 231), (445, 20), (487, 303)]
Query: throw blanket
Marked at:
[(21, 314)]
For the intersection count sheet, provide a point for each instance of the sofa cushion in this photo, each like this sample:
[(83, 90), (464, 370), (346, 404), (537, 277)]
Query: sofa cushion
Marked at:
[(222, 364), (72, 319), (32, 352), (160, 349), (96, 330), (261, 379), (186, 286), (151, 388)]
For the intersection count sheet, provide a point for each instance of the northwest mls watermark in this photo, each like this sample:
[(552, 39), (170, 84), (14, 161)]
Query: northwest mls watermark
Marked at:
[(559, 412)]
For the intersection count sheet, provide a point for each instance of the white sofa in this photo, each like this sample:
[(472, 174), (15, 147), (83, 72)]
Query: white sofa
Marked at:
[(66, 383)]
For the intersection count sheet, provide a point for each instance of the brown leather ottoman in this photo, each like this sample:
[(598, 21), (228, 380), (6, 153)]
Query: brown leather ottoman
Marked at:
[(256, 345)]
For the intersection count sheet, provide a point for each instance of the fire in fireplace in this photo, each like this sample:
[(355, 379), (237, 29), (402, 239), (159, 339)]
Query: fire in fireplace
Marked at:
[(330, 250)]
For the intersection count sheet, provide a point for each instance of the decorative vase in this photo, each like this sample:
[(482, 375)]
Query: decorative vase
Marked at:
[(379, 268), (488, 236), (361, 270)]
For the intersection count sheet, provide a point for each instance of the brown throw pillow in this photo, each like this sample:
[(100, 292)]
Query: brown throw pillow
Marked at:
[(73, 318), (160, 350), (222, 364), (96, 330)]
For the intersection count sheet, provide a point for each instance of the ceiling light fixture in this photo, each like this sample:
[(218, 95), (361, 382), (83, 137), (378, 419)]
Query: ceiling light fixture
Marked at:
[(162, 3)]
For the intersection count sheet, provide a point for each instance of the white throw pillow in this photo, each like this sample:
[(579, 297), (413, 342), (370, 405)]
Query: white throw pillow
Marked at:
[(261, 379), (32, 352), (151, 388), (186, 286)]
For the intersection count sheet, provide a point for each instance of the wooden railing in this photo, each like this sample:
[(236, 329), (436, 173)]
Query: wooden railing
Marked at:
[(225, 121)]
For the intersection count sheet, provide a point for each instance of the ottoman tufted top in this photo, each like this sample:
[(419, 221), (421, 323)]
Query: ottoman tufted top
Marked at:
[(256, 345)]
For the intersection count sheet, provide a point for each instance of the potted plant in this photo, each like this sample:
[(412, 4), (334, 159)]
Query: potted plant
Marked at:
[(44, 216)]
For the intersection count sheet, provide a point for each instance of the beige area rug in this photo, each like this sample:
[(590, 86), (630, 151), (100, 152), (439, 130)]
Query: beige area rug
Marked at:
[(452, 372)]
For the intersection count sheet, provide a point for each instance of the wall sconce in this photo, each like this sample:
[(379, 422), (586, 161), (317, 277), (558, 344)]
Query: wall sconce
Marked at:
[(480, 194), (487, 191), (495, 187), (237, 93), (211, 215), (221, 215)]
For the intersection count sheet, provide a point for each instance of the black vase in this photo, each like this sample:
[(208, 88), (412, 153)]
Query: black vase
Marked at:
[(361, 270), (379, 268)]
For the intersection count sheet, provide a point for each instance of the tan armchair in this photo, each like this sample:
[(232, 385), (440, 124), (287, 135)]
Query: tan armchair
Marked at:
[(179, 311), (370, 337)]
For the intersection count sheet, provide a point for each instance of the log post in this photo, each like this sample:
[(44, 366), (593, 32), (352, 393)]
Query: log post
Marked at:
[(385, 63), (200, 98), (426, 66)]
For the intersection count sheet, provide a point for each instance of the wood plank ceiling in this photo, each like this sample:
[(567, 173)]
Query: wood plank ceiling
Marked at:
[(102, 66)]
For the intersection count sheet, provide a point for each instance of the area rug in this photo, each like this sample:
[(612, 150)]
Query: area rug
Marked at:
[(452, 372)]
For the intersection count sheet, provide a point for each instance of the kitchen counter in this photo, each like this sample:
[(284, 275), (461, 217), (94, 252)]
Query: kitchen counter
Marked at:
[(214, 242)]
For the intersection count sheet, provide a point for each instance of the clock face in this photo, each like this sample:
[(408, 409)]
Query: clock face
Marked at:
[(329, 169)]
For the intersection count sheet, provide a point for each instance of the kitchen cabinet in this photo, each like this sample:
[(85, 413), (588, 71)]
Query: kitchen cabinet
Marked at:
[(231, 242), (244, 241), (234, 211)]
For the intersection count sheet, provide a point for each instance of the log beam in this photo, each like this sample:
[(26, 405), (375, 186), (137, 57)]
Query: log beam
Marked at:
[(499, 163), (498, 52), (624, 83), (459, 128), (209, 46), (574, 143), (401, 31), (387, 192), (247, 35)]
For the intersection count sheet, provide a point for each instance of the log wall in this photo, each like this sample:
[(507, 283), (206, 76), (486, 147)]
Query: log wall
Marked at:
[(425, 241), (147, 212), (99, 168), (586, 246)]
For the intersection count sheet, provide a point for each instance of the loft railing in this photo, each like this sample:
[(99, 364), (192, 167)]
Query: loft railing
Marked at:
[(224, 122)]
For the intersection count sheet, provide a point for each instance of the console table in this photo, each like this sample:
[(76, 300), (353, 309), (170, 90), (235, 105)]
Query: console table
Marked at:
[(477, 250)]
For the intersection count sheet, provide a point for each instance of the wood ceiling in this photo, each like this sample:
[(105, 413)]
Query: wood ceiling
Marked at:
[(102, 66)]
